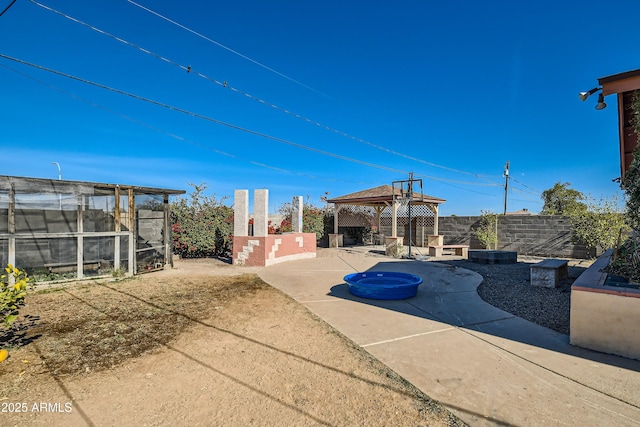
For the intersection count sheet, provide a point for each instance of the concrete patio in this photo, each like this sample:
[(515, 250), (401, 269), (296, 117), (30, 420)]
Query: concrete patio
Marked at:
[(487, 366)]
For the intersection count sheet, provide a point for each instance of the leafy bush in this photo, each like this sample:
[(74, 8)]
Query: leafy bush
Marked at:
[(626, 260), (312, 219), (600, 226), (631, 181), (13, 290), (202, 226), (486, 232)]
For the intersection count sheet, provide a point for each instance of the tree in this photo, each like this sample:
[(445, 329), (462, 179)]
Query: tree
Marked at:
[(599, 226), (202, 225), (562, 200), (486, 233)]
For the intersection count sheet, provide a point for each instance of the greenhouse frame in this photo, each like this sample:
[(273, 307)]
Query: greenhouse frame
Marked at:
[(58, 229)]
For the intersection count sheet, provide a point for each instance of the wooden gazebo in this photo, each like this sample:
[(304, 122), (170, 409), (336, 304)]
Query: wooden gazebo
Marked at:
[(388, 212)]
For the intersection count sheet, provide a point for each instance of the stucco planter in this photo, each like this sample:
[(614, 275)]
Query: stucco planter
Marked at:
[(394, 247), (605, 316)]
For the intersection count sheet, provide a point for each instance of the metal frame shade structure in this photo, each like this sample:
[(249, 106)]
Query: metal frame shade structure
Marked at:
[(83, 229), (383, 199)]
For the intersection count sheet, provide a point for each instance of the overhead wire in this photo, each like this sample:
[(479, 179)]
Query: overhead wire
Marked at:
[(525, 192), (173, 135), (224, 84), (235, 52), (220, 122), (8, 7), (533, 190), (207, 118)]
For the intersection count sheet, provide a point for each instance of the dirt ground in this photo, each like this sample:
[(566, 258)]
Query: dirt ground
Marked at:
[(197, 345)]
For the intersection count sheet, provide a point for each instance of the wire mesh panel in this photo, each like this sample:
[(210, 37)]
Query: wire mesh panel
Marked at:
[(357, 216), (357, 224), (422, 222)]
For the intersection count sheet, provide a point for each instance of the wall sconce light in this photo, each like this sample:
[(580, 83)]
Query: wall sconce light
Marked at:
[(585, 95), (601, 104)]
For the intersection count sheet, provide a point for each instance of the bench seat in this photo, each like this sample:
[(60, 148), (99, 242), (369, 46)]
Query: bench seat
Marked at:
[(460, 250), (549, 273)]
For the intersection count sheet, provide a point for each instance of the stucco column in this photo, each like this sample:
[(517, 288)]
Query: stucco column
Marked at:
[(241, 213), (296, 215), (260, 213)]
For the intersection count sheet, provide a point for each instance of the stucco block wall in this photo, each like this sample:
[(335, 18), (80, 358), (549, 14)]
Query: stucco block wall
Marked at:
[(273, 248), (541, 235)]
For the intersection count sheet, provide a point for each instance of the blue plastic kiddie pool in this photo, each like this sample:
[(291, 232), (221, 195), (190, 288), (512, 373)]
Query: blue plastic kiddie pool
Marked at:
[(385, 285)]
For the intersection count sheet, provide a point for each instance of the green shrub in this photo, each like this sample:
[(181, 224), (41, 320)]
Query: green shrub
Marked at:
[(599, 226), (486, 233), (312, 219), (202, 225), (13, 290)]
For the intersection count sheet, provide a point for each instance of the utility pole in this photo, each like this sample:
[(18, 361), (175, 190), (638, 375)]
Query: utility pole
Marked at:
[(506, 185)]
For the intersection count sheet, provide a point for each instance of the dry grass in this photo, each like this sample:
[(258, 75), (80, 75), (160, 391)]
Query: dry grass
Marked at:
[(92, 327), (262, 344)]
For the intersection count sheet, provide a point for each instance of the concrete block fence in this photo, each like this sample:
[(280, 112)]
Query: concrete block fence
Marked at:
[(539, 235)]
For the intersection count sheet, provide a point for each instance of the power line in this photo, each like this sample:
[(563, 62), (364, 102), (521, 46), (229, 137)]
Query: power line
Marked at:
[(230, 125), (235, 52), (8, 7), (173, 135), (207, 118), (528, 198), (534, 191), (248, 95)]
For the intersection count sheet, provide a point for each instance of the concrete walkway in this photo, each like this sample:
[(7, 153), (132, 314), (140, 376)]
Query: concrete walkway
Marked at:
[(485, 365)]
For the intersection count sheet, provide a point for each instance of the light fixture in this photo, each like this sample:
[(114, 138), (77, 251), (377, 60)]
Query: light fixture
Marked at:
[(59, 171), (584, 95), (601, 104)]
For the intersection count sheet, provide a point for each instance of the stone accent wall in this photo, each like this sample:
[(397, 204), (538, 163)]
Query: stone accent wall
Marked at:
[(541, 235)]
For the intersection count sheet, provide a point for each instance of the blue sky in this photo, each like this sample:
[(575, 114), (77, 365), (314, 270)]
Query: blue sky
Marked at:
[(447, 90)]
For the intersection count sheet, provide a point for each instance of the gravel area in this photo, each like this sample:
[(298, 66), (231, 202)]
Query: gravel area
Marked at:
[(508, 287)]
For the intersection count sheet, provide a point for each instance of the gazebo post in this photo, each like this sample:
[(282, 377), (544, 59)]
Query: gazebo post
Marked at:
[(394, 219), (435, 239), (435, 220), (393, 244), (378, 224), (335, 239)]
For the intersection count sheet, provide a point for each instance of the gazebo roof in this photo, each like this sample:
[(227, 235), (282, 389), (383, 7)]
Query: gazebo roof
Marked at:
[(380, 195)]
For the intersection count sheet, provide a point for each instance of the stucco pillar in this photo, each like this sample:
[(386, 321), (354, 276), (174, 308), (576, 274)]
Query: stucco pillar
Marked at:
[(241, 213), (296, 214), (260, 213)]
